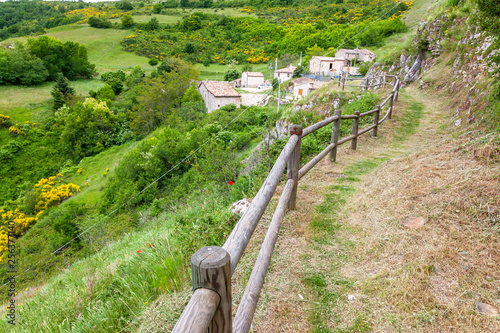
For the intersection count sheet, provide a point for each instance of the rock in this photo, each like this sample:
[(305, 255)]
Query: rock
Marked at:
[(458, 122), (486, 309), (241, 206), (351, 297), (413, 222)]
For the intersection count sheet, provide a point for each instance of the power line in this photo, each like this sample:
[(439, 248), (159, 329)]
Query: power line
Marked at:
[(143, 190), (378, 19)]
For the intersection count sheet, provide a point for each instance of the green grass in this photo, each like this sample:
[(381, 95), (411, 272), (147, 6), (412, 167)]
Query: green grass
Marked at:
[(410, 120), (22, 103), (397, 42), (103, 46)]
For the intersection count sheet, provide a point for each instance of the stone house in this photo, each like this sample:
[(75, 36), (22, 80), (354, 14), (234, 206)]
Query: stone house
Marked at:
[(361, 55), (251, 79), (216, 94), (326, 66), (285, 73)]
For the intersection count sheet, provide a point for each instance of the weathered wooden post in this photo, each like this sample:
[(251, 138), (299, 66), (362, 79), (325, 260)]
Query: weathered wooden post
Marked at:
[(343, 81), (211, 269), (355, 125), (391, 102), (397, 89), (335, 135), (294, 165), (376, 116)]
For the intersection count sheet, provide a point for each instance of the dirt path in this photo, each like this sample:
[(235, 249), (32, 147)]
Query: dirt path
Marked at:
[(346, 238)]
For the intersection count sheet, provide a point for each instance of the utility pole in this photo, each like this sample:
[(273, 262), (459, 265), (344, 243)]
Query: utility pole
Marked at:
[(279, 93), (276, 67)]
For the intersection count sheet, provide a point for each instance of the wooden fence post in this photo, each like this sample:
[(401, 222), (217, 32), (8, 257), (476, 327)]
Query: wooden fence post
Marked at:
[(343, 81), (211, 269), (294, 165), (375, 120), (335, 135), (355, 125), (397, 90), (391, 101)]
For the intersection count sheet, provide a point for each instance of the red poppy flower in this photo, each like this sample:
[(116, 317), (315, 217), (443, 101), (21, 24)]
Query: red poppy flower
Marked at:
[(231, 183), (149, 245), (139, 251)]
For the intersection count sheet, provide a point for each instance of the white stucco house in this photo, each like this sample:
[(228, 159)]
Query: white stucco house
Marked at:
[(285, 73), (326, 66), (251, 79), (216, 94), (303, 89)]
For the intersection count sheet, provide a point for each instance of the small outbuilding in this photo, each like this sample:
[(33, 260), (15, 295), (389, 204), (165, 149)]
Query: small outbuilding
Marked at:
[(305, 87), (216, 94), (285, 73), (326, 66), (251, 79)]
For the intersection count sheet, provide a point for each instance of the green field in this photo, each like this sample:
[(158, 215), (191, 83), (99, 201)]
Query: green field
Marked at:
[(103, 46), (19, 102)]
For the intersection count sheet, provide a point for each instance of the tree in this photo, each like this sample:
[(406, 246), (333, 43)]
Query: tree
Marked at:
[(124, 5), (106, 94), (61, 91), (127, 21), (158, 97), (18, 66), (86, 127), (153, 24), (68, 58), (157, 8), (191, 95), (184, 3), (231, 75)]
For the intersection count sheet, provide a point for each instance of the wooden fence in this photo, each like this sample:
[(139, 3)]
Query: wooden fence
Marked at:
[(210, 307)]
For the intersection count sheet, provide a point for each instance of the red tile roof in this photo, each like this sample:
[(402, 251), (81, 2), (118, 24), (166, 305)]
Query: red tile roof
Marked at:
[(220, 89)]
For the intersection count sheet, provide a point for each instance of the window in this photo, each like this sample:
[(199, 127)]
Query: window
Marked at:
[(331, 65), (300, 92)]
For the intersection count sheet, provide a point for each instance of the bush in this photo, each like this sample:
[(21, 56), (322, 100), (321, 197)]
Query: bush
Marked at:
[(4, 121), (116, 85), (106, 93), (99, 23), (153, 62), (119, 75), (127, 21)]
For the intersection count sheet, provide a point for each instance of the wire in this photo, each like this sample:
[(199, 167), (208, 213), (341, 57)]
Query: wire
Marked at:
[(378, 19), (143, 190)]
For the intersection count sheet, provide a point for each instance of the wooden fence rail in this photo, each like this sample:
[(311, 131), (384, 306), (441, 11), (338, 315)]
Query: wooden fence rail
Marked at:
[(210, 307)]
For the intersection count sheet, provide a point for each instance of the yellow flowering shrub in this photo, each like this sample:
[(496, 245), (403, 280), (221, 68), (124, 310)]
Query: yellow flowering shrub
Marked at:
[(49, 195), (48, 192), (14, 130), (4, 120)]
